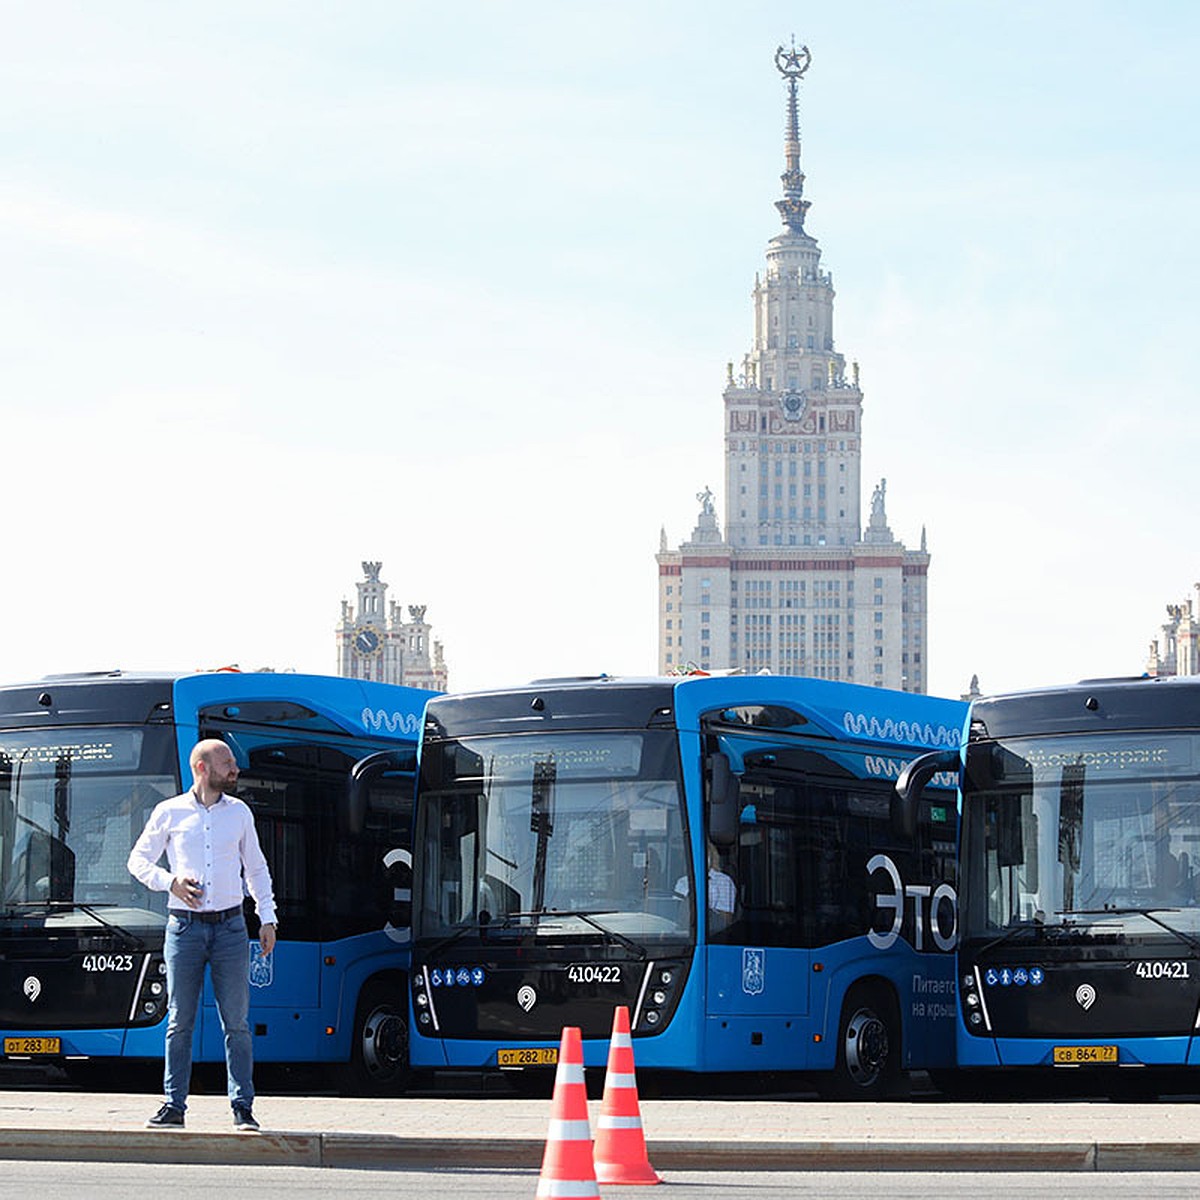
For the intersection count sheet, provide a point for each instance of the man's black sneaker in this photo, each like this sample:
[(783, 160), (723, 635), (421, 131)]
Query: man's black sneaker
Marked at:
[(167, 1117), (243, 1118)]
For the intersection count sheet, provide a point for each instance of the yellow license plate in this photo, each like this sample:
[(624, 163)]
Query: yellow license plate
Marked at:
[(528, 1056), (33, 1045), (1076, 1055)]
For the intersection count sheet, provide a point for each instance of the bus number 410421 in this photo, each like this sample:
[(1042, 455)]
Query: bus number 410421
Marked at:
[(1163, 970)]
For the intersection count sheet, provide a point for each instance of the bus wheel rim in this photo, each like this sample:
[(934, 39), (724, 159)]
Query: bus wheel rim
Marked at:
[(384, 1042), (866, 1047)]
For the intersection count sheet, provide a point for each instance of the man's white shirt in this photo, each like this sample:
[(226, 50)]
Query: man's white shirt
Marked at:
[(217, 845)]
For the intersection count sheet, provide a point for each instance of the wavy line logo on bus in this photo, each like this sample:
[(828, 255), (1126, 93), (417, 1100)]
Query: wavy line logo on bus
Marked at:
[(891, 768), (379, 720), (912, 732)]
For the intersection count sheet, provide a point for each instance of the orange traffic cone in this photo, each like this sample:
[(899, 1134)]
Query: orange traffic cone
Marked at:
[(620, 1143), (567, 1163)]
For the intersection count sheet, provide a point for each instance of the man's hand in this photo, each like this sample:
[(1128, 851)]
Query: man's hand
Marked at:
[(266, 938), (188, 890)]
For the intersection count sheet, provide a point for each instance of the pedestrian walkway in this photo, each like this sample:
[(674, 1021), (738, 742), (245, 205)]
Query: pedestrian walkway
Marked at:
[(680, 1134)]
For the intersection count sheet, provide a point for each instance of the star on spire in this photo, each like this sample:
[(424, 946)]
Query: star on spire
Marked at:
[(792, 64)]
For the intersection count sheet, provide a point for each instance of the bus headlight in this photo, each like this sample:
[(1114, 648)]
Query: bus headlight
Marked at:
[(662, 985), (971, 1001), (151, 999)]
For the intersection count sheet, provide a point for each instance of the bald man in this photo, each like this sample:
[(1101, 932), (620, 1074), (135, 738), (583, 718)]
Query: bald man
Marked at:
[(211, 846)]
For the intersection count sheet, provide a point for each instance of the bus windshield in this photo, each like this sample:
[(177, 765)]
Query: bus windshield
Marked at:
[(1096, 833), (574, 833), (72, 803)]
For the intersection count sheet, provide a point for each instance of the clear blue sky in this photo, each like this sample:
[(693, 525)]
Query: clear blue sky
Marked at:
[(287, 286)]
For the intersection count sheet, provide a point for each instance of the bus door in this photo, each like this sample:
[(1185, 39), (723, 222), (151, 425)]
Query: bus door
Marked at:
[(285, 986), (293, 788), (758, 895)]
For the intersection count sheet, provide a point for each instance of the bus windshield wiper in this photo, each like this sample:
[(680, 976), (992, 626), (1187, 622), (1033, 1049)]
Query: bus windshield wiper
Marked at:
[(1034, 927), (589, 918), (1148, 913), (15, 908), (462, 931)]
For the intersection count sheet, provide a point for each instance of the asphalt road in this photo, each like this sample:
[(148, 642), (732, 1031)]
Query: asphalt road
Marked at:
[(119, 1181)]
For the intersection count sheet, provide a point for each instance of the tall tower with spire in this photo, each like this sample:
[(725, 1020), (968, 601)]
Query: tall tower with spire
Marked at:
[(796, 584)]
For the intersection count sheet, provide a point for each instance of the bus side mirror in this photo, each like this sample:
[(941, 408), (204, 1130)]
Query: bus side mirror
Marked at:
[(916, 776), (723, 805), (362, 775), (912, 783)]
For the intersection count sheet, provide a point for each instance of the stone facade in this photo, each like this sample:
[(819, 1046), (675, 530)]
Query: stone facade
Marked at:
[(1177, 652), (795, 585), (375, 642)]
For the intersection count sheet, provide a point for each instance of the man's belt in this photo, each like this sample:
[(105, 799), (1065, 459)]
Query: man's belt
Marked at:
[(215, 918)]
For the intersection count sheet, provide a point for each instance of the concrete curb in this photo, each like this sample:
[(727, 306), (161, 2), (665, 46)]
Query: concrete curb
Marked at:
[(396, 1151)]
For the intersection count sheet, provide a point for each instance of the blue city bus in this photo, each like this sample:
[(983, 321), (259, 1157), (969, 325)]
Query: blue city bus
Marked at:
[(1079, 877), (727, 856), (326, 764)]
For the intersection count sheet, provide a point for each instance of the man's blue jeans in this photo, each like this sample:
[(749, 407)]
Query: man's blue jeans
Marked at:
[(225, 948)]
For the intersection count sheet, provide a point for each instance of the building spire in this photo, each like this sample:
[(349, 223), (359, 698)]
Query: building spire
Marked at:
[(791, 64)]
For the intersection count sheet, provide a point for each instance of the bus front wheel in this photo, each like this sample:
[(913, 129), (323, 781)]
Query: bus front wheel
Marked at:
[(378, 1063), (868, 1051)]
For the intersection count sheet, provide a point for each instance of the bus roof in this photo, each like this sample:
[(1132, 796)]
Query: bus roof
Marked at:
[(109, 697), (835, 709), (1091, 706)]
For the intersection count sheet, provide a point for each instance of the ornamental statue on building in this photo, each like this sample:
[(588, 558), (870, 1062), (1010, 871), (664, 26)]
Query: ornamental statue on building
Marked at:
[(375, 642)]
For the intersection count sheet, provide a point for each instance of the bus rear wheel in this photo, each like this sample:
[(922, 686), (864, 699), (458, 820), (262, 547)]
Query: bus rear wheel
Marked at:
[(868, 1051), (378, 1063)]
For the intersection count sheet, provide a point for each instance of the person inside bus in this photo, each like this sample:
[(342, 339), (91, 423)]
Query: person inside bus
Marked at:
[(214, 857), (722, 891)]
